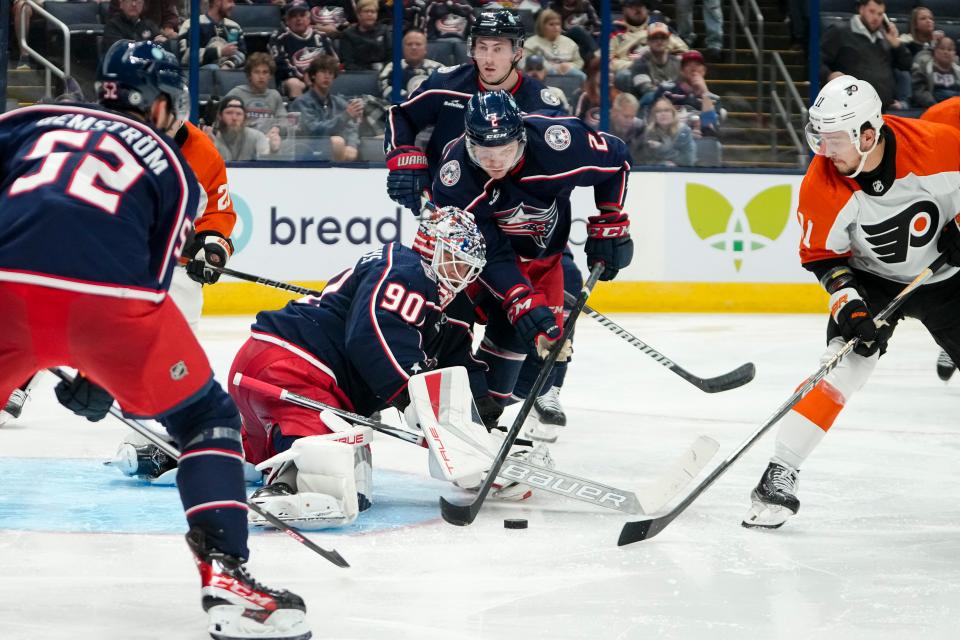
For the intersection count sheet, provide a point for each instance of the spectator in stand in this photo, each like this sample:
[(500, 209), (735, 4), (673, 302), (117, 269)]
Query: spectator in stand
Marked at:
[(160, 12), (923, 34), (588, 98), (415, 65), (798, 12), (937, 77), (866, 49), (580, 23), (691, 94), (366, 45), (667, 141), (712, 22), (294, 47), (561, 55), (323, 115), (235, 141), (263, 104), (129, 24), (332, 17), (533, 67), (654, 66), (630, 35), (221, 39), (625, 124), (450, 21)]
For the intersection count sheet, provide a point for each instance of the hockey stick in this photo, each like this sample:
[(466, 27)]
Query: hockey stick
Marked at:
[(464, 514), (332, 555), (644, 529), (724, 382), (550, 480), (276, 284)]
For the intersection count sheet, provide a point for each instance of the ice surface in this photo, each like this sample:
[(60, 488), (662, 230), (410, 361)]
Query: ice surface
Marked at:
[(874, 552)]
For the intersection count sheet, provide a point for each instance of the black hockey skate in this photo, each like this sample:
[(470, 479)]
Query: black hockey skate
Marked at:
[(240, 607), (945, 366), (146, 462), (547, 416), (774, 498)]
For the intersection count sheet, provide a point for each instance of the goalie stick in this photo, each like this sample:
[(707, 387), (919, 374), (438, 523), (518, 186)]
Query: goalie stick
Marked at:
[(644, 529), (332, 555), (654, 496), (724, 382), (463, 514)]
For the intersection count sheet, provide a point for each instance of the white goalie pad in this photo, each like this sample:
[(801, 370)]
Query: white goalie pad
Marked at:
[(332, 472), (442, 405)]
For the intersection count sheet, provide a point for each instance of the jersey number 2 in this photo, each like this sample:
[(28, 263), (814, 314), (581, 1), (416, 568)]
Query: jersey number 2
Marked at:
[(83, 184), (407, 303)]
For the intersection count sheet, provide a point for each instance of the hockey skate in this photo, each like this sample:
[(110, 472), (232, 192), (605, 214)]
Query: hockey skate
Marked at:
[(774, 498), (14, 406), (308, 510), (547, 415), (240, 607), (945, 366)]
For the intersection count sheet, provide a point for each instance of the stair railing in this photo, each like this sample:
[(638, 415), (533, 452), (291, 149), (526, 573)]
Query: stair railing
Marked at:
[(48, 66), (738, 17), (785, 108)]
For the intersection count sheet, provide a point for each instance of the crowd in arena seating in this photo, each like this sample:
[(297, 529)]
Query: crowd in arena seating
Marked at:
[(314, 77)]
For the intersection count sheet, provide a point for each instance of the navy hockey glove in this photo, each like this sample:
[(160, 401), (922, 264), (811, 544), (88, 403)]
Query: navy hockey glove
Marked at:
[(533, 320), (84, 398), (207, 248), (949, 242), (408, 177), (608, 241), (850, 312)]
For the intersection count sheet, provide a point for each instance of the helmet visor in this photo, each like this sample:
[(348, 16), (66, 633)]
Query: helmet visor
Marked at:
[(496, 160), (829, 142)]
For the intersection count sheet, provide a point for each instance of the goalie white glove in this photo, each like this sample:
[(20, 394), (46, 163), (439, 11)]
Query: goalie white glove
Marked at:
[(320, 482)]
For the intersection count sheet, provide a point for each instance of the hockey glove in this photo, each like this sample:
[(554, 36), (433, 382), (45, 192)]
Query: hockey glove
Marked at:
[(949, 242), (84, 398), (533, 320), (206, 249), (408, 177), (608, 241), (850, 312)]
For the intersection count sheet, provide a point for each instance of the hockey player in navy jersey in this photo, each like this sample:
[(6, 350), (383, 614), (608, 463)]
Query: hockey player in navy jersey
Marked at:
[(496, 45), (355, 348), (96, 206), (515, 173)]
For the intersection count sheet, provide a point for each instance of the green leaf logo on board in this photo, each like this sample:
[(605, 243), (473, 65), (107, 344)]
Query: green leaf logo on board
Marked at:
[(738, 233)]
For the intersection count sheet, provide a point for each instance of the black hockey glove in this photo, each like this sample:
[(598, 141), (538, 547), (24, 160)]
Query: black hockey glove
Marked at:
[(84, 398), (207, 248), (408, 177), (850, 312), (489, 410), (949, 242), (608, 241), (533, 320)]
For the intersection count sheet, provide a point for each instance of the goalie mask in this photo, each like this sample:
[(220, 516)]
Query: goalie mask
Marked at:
[(449, 240), (841, 109)]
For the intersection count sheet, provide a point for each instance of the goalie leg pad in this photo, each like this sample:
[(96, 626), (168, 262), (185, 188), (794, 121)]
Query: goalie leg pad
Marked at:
[(331, 486)]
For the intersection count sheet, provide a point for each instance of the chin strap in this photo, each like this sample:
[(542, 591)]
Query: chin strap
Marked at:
[(863, 157)]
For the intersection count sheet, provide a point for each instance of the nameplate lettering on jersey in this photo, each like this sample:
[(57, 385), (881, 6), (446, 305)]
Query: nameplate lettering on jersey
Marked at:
[(144, 145), (453, 103)]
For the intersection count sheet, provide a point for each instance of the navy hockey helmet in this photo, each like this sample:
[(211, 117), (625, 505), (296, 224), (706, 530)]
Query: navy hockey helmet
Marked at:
[(493, 119), (500, 23), (132, 75)]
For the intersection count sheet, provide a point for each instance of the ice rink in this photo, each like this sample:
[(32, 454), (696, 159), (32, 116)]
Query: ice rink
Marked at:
[(874, 552)]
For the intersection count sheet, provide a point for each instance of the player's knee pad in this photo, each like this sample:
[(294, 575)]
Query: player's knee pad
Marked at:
[(853, 371), (333, 479), (212, 416)]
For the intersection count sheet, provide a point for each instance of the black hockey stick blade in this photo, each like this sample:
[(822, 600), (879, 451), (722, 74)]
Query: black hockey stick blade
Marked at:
[(330, 554), (463, 514), (724, 382), (643, 529)]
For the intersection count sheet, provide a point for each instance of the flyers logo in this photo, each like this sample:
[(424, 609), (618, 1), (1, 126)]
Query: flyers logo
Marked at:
[(915, 226)]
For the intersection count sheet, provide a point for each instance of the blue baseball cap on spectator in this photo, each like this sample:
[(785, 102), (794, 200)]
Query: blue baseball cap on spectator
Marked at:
[(297, 6)]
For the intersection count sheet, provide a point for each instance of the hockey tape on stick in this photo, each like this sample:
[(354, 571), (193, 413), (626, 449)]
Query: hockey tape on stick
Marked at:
[(644, 529), (267, 282), (332, 555), (724, 382)]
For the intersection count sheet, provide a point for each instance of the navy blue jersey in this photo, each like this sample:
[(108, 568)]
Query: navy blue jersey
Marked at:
[(373, 327), (441, 101), (91, 196), (527, 213)]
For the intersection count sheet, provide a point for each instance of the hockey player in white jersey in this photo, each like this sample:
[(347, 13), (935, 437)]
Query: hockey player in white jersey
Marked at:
[(878, 204)]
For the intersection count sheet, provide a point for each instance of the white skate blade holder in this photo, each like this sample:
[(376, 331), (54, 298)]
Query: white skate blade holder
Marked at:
[(227, 622)]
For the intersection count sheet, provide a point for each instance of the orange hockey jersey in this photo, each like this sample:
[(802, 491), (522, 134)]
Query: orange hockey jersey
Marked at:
[(946, 112), (217, 214), (893, 232)]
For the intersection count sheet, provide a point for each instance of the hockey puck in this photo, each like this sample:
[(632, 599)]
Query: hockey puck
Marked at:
[(515, 523)]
